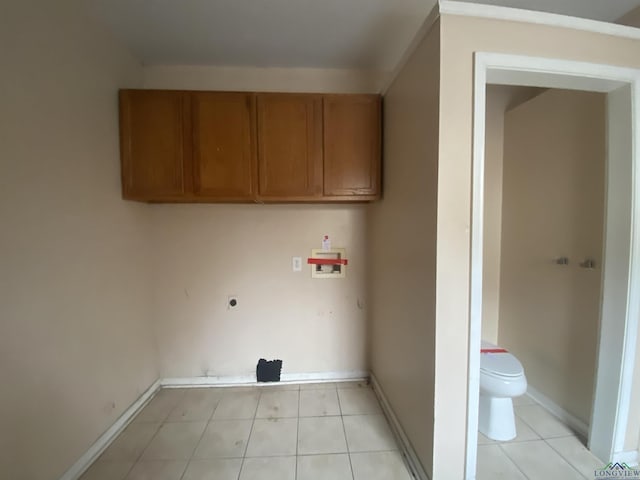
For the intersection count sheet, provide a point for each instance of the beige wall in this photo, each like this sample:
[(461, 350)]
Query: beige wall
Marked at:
[(461, 37), (553, 206), (499, 99), (75, 343), (203, 253), (631, 18), (402, 235), (264, 79)]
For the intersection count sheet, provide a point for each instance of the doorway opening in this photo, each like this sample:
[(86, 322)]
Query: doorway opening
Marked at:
[(620, 279)]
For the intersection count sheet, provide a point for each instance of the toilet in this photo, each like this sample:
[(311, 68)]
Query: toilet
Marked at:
[(501, 378)]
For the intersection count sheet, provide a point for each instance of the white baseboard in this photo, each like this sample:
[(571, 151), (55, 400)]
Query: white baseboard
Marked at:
[(409, 453), (630, 458), (570, 420), (99, 446), (250, 380)]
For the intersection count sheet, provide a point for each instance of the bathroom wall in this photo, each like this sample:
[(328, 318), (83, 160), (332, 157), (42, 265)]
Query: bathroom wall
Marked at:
[(499, 99), (204, 253), (461, 38), (402, 235), (76, 347), (553, 206)]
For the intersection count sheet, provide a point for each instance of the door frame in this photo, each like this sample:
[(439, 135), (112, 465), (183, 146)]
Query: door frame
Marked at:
[(620, 302)]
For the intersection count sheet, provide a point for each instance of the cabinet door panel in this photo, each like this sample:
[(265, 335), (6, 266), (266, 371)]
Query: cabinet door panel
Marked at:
[(351, 145), (224, 153), (290, 146), (152, 144)]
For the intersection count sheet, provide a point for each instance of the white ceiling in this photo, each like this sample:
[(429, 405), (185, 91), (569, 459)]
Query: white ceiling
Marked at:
[(359, 34)]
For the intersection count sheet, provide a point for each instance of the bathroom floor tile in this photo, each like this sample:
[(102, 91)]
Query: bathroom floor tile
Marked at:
[(318, 386), (368, 433), (237, 405), (358, 401), (542, 422), (574, 452), (196, 404), (379, 466), (130, 444), (272, 468), (319, 403), (273, 437), (160, 406), (484, 440), (318, 435), (157, 470), (175, 441), (538, 461), (494, 464), (216, 469), (278, 404), (524, 432), (107, 470), (224, 438), (324, 467)]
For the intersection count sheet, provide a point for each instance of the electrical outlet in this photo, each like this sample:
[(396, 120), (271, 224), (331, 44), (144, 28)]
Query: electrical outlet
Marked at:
[(296, 263), (232, 302)]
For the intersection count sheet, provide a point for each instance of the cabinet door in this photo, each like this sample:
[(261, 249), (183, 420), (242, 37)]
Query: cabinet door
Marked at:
[(352, 146), (224, 153), (152, 126), (290, 146)]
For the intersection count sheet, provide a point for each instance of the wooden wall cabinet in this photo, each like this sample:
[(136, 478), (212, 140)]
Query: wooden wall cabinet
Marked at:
[(289, 147), (153, 144), (179, 146), (351, 146), (223, 145)]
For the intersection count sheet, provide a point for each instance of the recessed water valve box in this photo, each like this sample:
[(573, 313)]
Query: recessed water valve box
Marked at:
[(328, 263)]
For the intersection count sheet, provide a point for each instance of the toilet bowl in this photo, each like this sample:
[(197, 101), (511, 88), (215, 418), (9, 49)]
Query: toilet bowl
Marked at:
[(501, 378)]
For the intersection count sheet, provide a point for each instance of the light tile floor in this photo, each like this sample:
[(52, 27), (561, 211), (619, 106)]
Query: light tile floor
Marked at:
[(329, 431), (544, 449)]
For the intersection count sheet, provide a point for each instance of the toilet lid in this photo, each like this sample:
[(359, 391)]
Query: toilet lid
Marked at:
[(503, 363)]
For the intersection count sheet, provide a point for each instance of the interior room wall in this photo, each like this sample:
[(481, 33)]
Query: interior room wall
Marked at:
[(402, 233), (461, 38), (553, 206), (272, 79), (631, 18), (75, 302), (204, 253), (499, 99)]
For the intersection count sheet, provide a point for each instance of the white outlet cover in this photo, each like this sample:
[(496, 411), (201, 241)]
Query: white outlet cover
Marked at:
[(296, 264)]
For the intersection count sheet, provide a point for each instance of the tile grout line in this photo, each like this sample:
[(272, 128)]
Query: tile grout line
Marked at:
[(566, 460), (162, 422), (541, 437), (186, 467), (344, 429), (244, 456), (506, 454)]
